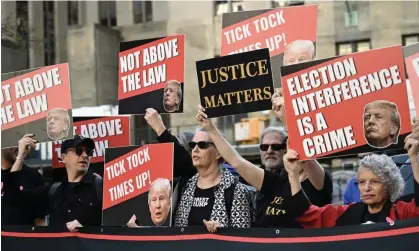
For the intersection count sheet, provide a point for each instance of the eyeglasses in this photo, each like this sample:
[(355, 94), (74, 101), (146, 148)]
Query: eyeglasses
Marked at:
[(79, 151), (274, 147), (201, 144)]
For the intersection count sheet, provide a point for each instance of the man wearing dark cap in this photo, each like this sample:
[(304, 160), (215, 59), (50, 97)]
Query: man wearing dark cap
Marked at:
[(75, 202)]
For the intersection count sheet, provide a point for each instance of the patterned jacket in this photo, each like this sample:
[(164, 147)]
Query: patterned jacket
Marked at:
[(240, 215)]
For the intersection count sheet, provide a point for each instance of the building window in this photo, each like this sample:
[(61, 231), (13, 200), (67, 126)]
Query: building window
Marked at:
[(22, 23), (222, 7), (142, 11), (351, 18), (49, 33), (107, 13), (410, 39), (73, 12), (351, 47)]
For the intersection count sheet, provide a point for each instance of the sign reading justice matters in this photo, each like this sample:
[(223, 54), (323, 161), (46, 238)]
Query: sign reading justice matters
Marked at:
[(235, 84)]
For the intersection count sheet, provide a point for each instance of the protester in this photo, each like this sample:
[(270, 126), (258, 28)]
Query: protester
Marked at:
[(14, 214), (213, 195), (319, 195), (380, 183), (77, 201), (352, 193), (271, 183), (183, 165)]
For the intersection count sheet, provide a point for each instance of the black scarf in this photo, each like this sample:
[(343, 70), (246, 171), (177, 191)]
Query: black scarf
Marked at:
[(356, 213)]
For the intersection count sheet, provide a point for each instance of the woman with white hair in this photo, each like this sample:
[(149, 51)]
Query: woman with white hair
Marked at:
[(380, 183), (213, 196)]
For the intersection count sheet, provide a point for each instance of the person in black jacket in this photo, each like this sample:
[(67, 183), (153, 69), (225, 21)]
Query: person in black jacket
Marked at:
[(12, 214), (75, 202)]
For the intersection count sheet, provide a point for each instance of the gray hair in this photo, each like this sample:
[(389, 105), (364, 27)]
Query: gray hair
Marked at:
[(184, 138), (387, 171), (273, 129), (302, 44), (161, 183), (60, 110)]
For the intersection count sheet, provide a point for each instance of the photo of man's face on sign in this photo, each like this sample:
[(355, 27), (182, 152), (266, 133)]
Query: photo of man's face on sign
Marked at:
[(172, 96), (159, 200), (381, 123), (299, 51), (58, 123)]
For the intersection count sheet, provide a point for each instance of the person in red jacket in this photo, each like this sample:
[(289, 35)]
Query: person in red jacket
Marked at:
[(380, 183)]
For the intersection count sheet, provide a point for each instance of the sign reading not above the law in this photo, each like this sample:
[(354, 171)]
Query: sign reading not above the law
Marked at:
[(151, 75), (36, 101)]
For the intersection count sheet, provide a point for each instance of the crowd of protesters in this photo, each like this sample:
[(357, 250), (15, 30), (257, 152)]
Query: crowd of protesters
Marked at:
[(215, 186)]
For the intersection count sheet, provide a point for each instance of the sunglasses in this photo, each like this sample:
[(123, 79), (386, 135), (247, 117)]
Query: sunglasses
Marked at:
[(201, 144), (274, 147), (79, 151)]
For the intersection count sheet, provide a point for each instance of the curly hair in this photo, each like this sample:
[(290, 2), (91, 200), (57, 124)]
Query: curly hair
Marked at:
[(388, 173)]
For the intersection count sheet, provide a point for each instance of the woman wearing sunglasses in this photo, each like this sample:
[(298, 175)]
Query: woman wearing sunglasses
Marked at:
[(273, 187), (213, 196)]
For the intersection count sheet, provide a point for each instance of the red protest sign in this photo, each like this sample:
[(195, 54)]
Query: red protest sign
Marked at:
[(289, 33), (112, 131), (347, 104), (146, 69), (36, 102), (411, 54), (273, 29), (129, 173)]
